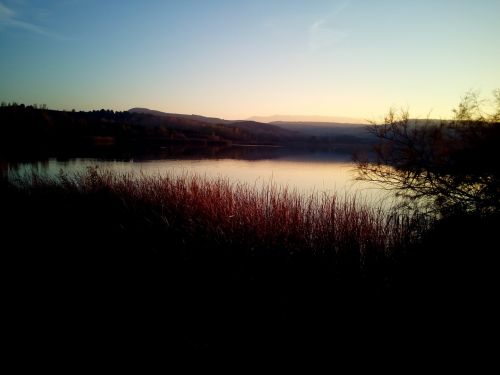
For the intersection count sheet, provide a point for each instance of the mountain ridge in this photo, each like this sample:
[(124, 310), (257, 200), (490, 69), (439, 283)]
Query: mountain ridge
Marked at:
[(211, 120), (347, 131), (309, 119)]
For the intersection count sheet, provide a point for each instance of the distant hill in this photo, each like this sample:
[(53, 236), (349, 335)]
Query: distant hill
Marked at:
[(344, 130), (332, 131), (335, 131), (41, 130), (261, 131), (308, 119), (349, 132), (209, 120), (275, 119)]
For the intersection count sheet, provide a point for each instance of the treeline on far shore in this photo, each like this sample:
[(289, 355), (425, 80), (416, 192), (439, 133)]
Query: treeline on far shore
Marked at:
[(38, 130)]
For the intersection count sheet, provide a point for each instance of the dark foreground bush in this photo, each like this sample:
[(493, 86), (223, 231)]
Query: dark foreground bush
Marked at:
[(203, 264)]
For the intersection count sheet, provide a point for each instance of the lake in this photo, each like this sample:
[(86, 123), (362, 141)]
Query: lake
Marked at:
[(307, 171)]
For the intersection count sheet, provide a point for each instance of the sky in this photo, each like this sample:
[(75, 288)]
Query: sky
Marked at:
[(237, 58)]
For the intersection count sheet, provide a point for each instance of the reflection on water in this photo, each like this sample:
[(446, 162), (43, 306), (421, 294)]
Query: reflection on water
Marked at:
[(307, 171)]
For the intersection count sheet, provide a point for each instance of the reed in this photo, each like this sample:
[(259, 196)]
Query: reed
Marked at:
[(208, 255), (233, 216)]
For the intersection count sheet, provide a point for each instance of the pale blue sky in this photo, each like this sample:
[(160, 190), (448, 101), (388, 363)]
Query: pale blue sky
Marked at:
[(235, 59)]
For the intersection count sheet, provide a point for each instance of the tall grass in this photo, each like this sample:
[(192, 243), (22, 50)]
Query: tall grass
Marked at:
[(212, 263), (268, 220), (208, 255)]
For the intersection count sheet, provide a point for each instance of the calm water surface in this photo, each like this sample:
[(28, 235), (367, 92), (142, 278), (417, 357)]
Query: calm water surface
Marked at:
[(305, 172)]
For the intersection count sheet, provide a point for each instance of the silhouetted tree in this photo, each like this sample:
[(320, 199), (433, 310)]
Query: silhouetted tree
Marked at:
[(448, 166)]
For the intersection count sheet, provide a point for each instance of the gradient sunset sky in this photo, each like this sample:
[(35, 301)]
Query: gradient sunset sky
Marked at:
[(236, 59)]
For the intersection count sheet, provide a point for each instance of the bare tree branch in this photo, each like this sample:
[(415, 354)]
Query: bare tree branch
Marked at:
[(448, 165)]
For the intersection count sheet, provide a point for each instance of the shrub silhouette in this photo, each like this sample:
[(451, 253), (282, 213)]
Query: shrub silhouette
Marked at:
[(446, 166)]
